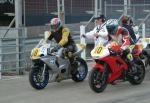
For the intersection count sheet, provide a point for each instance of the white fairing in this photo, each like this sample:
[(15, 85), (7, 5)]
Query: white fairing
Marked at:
[(98, 54), (44, 49)]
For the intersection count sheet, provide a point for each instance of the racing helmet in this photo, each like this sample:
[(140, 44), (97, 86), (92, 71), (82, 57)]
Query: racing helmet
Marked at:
[(55, 24), (125, 19), (112, 25)]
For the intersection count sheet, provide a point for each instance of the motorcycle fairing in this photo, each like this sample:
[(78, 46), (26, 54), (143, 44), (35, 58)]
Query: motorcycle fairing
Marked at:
[(116, 64), (100, 67), (99, 52)]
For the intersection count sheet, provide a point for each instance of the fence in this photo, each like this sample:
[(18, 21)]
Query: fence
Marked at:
[(137, 9), (12, 55)]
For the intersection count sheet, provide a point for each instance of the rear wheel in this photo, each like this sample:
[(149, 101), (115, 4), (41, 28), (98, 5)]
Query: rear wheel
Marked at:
[(136, 76), (36, 79), (98, 80)]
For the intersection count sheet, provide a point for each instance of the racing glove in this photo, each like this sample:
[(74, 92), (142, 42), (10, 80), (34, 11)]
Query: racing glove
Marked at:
[(55, 48)]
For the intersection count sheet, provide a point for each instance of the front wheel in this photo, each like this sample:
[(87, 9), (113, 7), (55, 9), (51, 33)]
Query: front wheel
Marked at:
[(98, 80), (36, 79), (146, 57), (80, 70), (136, 76)]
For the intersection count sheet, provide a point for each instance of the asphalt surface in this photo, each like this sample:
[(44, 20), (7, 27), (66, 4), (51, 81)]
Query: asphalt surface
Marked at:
[(18, 90)]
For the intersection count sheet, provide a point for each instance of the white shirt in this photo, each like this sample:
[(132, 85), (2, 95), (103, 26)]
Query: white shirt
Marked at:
[(102, 32)]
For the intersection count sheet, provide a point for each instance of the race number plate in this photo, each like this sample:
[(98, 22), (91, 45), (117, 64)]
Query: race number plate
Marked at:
[(52, 61), (98, 50)]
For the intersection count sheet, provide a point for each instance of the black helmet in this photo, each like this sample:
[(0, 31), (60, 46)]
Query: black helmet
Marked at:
[(101, 17)]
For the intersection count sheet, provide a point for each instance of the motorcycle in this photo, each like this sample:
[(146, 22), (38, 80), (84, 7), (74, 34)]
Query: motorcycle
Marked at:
[(141, 45), (52, 67), (145, 56), (112, 65)]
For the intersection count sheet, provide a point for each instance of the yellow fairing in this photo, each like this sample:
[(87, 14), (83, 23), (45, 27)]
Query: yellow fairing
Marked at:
[(35, 53), (82, 46)]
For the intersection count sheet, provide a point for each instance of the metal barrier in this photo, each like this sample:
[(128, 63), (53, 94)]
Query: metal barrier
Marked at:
[(12, 51)]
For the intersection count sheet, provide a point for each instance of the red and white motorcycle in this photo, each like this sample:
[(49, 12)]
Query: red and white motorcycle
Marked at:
[(112, 64)]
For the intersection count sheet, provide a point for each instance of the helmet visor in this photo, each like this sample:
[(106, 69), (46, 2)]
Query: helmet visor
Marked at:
[(53, 27), (111, 29)]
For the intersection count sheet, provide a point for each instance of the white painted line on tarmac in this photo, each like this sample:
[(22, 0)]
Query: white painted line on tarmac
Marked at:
[(5, 79)]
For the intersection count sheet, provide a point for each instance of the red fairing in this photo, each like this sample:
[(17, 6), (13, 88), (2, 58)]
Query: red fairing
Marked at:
[(116, 47), (116, 69), (100, 67)]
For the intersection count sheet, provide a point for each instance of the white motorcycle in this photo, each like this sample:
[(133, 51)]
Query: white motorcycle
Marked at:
[(52, 67)]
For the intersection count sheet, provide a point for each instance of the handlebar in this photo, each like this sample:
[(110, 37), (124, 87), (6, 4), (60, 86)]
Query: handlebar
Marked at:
[(55, 53), (114, 52)]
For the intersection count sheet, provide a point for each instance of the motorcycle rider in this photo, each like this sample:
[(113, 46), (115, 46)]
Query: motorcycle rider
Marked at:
[(64, 39), (128, 23), (99, 33), (61, 35), (118, 34)]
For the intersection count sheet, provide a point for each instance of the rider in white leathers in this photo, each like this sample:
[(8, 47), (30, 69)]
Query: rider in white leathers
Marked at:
[(99, 33)]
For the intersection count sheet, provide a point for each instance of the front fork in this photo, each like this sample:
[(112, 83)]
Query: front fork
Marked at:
[(43, 72), (102, 69)]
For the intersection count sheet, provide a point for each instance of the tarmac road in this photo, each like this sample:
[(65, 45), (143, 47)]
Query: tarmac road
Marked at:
[(18, 90)]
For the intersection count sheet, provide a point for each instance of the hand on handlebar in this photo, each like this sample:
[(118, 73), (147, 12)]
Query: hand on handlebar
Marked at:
[(55, 48), (115, 52)]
